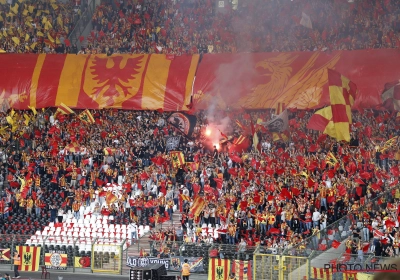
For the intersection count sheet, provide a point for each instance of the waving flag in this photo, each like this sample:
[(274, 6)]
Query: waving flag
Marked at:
[(64, 109), (330, 159), (335, 120), (86, 117), (391, 96), (177, 158), (279, 123), (198, 206), (184, 122), (306, 20), (111, 198)]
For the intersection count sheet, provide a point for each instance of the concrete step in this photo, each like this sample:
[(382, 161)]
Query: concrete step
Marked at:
[(144, 241)]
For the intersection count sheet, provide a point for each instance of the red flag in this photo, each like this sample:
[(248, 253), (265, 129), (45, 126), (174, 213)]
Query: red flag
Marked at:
[(335, 244), (219, 182), (390, 223), (365, 248), (359, 191)]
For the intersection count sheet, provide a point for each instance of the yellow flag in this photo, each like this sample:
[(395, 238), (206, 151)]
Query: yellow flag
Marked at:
[(46, 11), (5, 33), (10, 120), (39, 13), (27, 23), (27, 37), (30, 9), (25, 12), (48, 25), (50, 38), (15, 40), (1, 18), (44, 20), (27, 47), (33, 110), (3, 2), (2, 51), (58, 42), (33, 45), (40, 34), (60, 21), (27, 119), (55, 6), (15, 8)]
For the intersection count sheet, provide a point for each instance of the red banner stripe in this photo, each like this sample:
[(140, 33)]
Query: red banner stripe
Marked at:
[(136, 100), (176, 88), (9, 77), (34, 256), (49, 80)]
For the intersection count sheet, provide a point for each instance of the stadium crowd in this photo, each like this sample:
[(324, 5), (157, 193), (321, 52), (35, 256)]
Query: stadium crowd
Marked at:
[(178, 26), (295, 186)]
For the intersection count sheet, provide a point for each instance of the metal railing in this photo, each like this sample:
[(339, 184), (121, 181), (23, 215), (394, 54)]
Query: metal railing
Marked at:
[(72, 254)]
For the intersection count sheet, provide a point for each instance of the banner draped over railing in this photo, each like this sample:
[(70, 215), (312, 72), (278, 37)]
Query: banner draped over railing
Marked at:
[(157, 81), (135, 82), (296, 79)]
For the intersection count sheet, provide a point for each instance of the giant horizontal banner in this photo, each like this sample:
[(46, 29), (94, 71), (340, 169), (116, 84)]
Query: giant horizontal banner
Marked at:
[(135, 82), (296, 79)]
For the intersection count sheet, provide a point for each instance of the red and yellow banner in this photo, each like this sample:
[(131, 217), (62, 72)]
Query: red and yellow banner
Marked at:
[(136, 82), (297, 79), (30, 257), (55, 260), (219, 269)]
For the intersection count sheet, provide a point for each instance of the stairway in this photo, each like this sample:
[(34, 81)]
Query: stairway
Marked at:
[(83, 26), (144, 241)]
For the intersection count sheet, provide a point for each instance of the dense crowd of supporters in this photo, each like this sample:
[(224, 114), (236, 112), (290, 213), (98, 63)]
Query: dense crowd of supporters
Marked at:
[(178, 26), (276, 198)]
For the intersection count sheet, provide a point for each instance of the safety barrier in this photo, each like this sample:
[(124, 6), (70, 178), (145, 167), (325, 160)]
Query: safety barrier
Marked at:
[(60, 253)]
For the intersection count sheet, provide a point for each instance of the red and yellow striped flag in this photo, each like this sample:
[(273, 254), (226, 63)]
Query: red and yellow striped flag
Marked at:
[(178, 159), (30, 257), (218, 269), (321, 273), (86, 117), (335, 120), (111, 198), (242, 270), (198, 205), (184, 197), (64, 109), (330, 159)]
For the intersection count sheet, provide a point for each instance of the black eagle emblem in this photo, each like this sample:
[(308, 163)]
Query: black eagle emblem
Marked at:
[(27, 258), (220, 273)]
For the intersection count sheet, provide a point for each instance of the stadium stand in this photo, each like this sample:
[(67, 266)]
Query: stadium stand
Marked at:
[(120, 171)]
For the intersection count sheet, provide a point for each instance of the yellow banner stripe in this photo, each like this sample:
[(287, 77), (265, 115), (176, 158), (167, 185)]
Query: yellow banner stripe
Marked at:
[(70, 80), (154, 93), (35, 79), (190, 80)]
